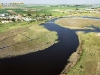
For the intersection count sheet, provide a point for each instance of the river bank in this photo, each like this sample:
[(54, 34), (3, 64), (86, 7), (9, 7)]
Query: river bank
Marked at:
[(49, 61), (74, 58), (25, 40), (90, 56), (89, 34)]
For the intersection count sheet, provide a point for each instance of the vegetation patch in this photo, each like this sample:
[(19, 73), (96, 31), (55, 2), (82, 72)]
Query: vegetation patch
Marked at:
[(92, 14), (77, 22), (89, 61), (75, 56), (25, 40)]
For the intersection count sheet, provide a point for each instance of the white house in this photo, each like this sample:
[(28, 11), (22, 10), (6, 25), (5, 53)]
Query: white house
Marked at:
[(26, 19), (6, 21), (2, 15)]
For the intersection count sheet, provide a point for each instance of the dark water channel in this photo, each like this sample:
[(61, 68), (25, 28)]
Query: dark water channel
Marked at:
[(50, 61)]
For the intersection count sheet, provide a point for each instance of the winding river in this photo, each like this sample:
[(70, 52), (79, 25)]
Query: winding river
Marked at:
[(50, 61)]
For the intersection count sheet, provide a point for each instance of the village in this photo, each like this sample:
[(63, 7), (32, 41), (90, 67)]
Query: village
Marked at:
[(13, 17), (13, 12)]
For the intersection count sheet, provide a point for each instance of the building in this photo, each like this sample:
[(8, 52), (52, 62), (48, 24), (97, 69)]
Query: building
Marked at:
[(11, 4), (2, 15)]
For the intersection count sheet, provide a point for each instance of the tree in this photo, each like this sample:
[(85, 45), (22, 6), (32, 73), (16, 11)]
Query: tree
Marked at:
[(0, 6), (77, 9), (0, 19), (13, 19), (29, 14)]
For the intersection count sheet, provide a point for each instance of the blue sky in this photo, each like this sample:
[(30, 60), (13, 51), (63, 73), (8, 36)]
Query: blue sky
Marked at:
[(53, 1)]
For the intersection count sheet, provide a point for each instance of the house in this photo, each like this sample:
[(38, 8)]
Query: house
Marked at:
[(6, 18), (2, 15), (6, 21), (26, 19)]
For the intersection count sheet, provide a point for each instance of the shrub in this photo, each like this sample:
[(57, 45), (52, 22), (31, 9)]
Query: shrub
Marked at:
[(73, 58)]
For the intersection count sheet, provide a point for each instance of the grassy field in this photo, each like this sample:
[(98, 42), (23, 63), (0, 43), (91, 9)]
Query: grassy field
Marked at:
[(92, 14), (89, 62), (14, 25), (16, 10), (52, 9), (23, 39), (3, 11), (45, 9), (77, 22)]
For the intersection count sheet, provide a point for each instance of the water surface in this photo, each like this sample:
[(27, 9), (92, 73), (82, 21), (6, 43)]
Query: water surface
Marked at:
[(50, 61)]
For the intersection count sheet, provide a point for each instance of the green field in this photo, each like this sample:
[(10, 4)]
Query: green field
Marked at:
[(14, 25), (45, 9)]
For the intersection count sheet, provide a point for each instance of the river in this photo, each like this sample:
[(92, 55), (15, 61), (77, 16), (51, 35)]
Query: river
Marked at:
[(50, 61)]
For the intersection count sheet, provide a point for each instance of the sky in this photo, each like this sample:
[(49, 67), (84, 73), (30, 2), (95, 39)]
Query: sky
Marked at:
[(53, 1)]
